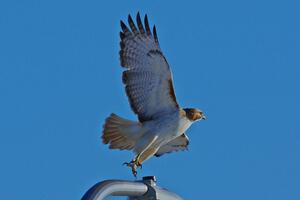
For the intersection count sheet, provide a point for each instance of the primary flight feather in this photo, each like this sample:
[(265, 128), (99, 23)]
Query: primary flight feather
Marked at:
[(149, 86)]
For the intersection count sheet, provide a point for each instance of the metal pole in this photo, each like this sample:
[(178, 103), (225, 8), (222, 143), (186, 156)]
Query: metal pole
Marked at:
[(135, 190), (115, 188)]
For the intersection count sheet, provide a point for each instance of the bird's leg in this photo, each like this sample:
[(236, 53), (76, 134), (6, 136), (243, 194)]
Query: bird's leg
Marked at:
[(142, 156), (137, 160), (134, 164)]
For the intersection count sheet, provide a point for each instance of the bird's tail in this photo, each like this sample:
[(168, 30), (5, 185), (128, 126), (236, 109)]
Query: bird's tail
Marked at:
[(121, 133)]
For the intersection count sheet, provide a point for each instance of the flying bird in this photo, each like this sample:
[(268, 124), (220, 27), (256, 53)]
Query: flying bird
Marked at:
[(149, 86)]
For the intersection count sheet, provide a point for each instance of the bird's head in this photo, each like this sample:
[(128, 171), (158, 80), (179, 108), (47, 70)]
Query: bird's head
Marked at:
[(194, 114)]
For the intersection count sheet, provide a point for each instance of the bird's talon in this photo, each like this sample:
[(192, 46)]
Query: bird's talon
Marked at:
[(134, 173), (133, 165)]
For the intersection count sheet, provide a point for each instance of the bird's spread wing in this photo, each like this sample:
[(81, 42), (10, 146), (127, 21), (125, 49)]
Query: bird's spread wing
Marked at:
[(147, 78), (179, 143)]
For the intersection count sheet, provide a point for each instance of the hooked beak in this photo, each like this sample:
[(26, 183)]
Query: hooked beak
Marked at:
[(203, 117)]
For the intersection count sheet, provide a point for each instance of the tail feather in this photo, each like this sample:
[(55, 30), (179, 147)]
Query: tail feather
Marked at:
[(120, 133)]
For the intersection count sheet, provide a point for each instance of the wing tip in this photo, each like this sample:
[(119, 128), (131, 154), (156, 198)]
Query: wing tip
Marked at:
[(155, 34), (146, 22), (140, 24), (142, 28), (124, 27), (132, 25)]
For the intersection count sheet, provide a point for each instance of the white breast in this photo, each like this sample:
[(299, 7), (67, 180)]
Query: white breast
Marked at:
[(184, 124), (169, 127)]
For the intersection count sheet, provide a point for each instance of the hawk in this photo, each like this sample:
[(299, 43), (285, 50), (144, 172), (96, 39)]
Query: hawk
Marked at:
[(149, 86)]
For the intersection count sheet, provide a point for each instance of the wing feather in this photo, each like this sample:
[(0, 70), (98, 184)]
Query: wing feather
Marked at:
[(147, 78), (147, 26), (155, 34), (140, 24), (132, 25)]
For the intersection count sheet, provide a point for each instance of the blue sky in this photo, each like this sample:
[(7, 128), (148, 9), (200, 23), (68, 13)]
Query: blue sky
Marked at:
[(60, 78)]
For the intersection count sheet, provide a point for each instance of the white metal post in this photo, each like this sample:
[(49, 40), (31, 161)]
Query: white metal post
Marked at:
[(135, 190)]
